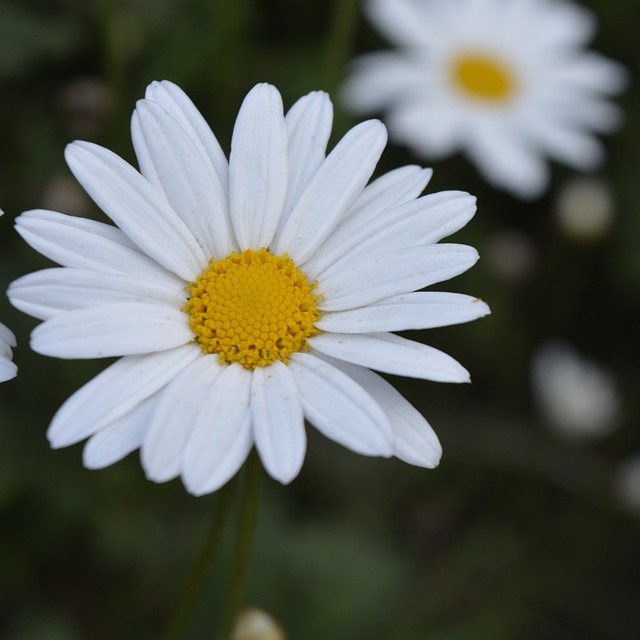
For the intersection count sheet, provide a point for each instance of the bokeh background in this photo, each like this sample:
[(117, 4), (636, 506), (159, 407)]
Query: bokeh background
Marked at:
[(525, 531)]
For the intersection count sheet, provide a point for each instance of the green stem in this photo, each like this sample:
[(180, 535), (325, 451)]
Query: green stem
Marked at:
[(247, 519), (341, 32), (202, 564)]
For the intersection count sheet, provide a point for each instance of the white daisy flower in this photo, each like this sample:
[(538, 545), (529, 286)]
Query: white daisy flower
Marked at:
[(505, 81), (245, 295)]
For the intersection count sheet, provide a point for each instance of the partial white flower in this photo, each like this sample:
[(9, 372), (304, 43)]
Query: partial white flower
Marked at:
[(505, 81), (576, 397), (246, 295), (8, 369)]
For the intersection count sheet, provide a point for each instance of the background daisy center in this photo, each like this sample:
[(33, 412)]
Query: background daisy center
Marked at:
[(483, 77), (252, 308)]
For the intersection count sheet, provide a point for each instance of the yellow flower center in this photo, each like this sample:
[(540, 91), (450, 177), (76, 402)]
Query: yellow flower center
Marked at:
[(252, 308), (483, 77)]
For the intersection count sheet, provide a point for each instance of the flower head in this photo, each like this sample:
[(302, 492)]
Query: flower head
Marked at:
[(244, 296), (505, 81)]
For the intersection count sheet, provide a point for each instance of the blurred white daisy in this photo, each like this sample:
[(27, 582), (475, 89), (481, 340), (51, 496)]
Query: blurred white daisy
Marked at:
[(245, 295), (505, 81), (577, 397)]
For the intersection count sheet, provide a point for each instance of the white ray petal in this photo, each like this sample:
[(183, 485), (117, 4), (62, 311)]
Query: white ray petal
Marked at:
[(221, 438), (258, 168), (357, 283), (420, 310), (340, 408), (419, 222), (137, 208), (389, 353), (87, 244), (278, 421), (177, 411), (415, 441), (172, 98), (8, 370), (309, 125), (332, 190), (116, 329), (177, 167), (118, 439), (44, 294), (116, 391)]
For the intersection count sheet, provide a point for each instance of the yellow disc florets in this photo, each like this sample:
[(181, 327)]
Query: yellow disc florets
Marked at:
[(252, 308), (483, 77)]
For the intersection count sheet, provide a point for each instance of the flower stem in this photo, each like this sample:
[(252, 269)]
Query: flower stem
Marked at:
[(341, 32), (247, 519), (202, 564)]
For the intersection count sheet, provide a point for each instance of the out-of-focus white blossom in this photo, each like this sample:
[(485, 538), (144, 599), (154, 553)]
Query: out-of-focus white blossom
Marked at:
[(576, 397), (585, 209), (256, 624), (507, 82)]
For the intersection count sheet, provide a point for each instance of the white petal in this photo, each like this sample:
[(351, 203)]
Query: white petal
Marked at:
[(258, 168), (178, 408), (118, 439), (418, 222), (6, 335), (309, 125), (415, 441), (278, 421), (358, 283), (332, 190), (400, 20), (137, 208), (177, 167), (179, 105), (389, 353), (340, 408), (422, 310), (116, 391), (44, 294), (378, 79), (77, 242), (116, 329), (8, 370), (508, 162), (221, 438), (591, 72)]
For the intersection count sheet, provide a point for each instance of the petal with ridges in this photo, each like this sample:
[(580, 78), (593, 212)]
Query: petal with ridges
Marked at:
[(258, 169), (309, 125), (177, 411), (278, 421), (116, 391), (8, 370), (358, 283), (87, 244), (44, 294), (419, 222), (221, 438), (137, 208), (332, 190), (116, 329), (177, 167), (420, 310), (180, 106), (119, 439), (393, 354), (340, 408), (415, 441)]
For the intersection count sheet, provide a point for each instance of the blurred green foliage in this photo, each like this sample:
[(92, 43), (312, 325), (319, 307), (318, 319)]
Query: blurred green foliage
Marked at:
[(518, 535)]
